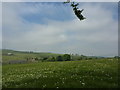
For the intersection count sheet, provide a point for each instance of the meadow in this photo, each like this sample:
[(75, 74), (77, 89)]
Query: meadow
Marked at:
[(23, 55), (100, 73)]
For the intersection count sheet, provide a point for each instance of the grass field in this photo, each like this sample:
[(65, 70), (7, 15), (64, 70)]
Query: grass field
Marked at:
[(66, 74)]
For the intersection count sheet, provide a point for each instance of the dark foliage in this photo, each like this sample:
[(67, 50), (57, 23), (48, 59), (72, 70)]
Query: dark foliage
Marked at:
[(76, 10), (59, 58), (66, 57)]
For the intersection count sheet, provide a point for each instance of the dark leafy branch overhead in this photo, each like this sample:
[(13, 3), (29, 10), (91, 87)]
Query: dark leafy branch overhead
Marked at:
[(76, 10)]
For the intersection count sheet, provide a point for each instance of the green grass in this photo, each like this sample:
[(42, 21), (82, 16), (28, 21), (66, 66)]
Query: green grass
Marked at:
[(20, 55), (66, 74)]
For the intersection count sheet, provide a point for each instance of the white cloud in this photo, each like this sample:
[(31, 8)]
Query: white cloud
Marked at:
[(97, 35)]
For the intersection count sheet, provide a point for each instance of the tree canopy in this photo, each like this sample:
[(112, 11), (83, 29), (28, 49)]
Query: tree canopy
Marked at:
[(77, 12)]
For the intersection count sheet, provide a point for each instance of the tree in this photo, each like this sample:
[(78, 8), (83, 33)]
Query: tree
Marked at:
[(116, 57), (45, 58), (51, 59), (77, 12), (66, 57), (59, 58)]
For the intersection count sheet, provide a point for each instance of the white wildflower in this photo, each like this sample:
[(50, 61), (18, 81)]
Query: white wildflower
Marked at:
[(83, 84)]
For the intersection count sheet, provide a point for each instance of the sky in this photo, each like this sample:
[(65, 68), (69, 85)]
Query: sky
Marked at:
[(59, 0), (53, 27)]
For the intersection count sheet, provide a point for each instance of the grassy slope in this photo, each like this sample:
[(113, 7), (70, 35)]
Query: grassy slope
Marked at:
[(18, 55), (68, 74)]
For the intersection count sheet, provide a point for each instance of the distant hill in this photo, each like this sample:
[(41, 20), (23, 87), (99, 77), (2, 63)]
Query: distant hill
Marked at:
[(13, 55), (5, 51), (9, 55)]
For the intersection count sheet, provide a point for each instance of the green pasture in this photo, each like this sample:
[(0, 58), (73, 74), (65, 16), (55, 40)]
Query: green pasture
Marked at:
[(100, 73), (20, 55)]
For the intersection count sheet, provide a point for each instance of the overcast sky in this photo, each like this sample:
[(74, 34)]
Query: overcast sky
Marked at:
[(59, 0), (53, 27)]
